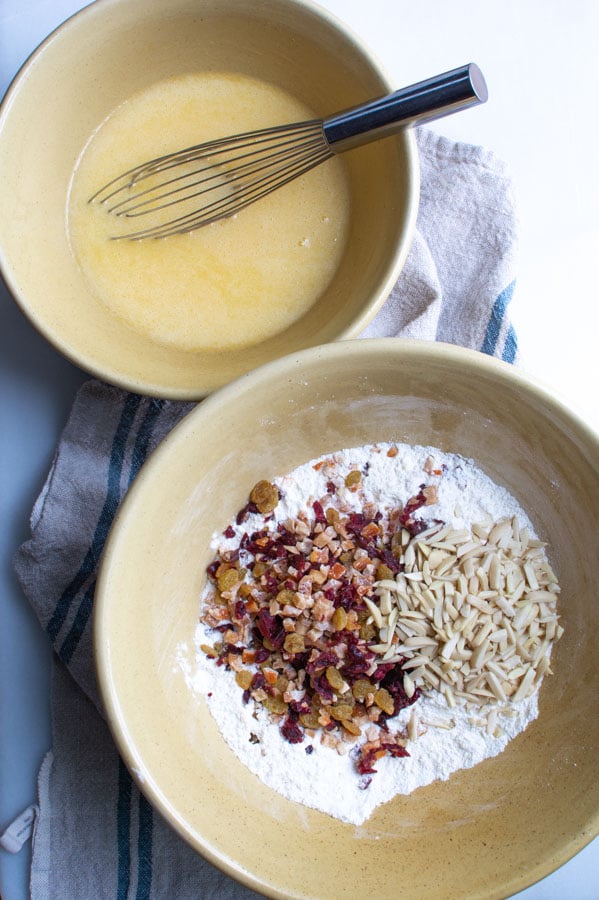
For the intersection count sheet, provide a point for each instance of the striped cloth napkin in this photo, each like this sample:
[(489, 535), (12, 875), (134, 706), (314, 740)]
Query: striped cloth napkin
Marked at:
[(95, 835)]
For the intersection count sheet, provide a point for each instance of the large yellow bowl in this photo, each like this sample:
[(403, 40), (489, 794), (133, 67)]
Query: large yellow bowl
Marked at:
[(486, 832), (115, 48)]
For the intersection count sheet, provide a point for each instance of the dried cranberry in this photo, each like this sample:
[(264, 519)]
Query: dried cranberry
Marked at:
[(270, 583), (357, 662), (346, 596), (416, 526), (239, 609), (211, 569), (291, 731), (299, 707), (331, 487), (229, 532), (322, 661), (271, 628), (395, 750), (244, 512), (355, 523), (320, 517), (261, 655), (392, 681), (365, 762), (390, 561), (258, 681), (321, 686), (301, 565)]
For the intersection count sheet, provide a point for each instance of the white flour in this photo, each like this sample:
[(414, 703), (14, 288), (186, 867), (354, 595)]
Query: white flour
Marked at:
[(322, 778)]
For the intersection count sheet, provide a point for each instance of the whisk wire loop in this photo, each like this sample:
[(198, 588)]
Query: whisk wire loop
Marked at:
[(210, 175)]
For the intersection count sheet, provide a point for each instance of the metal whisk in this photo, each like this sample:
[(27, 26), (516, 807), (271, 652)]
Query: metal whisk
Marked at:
[(217, 179)]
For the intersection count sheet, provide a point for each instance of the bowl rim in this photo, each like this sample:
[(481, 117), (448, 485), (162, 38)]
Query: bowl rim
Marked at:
[(399, 349), (148, 386)]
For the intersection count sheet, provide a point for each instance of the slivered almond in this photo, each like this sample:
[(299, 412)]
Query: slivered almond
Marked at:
[(474, 617)]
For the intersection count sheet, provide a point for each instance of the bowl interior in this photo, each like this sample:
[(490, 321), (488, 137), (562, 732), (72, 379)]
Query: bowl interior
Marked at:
[(488, 831), (115, 48)]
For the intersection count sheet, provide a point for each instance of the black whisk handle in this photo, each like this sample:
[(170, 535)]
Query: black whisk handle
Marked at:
[(425, 101)]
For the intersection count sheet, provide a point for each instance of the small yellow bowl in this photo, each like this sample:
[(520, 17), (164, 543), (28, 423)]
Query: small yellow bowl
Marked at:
[(486, 832), (116, 48)]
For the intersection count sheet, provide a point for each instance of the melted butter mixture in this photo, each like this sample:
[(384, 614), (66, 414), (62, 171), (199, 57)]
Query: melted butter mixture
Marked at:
[(230, 284)]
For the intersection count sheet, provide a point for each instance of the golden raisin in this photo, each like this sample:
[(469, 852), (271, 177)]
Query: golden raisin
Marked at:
[(383, 571), (244, 679), (367, 631), (331, 515), (351, 727), (384, 701), (310, 720), (361, 688), (275, 705), (265, 495), (339, 619), (294, 643), (282, 683), (287, 597), (335, 678), (340, 711), (228, 579), (209, 651), (353, 478)]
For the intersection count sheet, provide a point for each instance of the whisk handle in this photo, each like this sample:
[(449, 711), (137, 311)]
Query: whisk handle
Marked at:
[(422, 102)]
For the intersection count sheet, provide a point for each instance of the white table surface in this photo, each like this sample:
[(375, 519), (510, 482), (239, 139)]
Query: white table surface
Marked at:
[(541, 61)]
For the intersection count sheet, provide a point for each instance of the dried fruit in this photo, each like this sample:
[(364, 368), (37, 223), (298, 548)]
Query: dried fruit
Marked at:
[(362, 688), (353, 478), (286, 597), (244, 679), (335, 679), (275, 705), (265, 496), (384, 701), (339, 619), (294, 643), (341, 711), (227, 580)]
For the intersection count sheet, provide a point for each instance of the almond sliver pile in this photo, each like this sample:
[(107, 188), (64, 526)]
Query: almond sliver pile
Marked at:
[(472, 614)]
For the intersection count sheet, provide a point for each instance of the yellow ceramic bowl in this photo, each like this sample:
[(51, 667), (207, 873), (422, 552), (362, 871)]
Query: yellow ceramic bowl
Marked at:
[(115, 48), (488, 831)]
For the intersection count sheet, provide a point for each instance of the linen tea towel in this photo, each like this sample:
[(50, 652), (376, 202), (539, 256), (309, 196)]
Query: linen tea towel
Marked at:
[(96, 835)]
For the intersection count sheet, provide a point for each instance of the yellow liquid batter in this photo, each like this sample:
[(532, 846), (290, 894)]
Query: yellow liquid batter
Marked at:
[(230, 284)]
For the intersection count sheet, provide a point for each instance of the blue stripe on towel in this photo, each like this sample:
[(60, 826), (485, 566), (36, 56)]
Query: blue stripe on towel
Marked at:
[(105, 520), (510, 347), (491, 338), (69, 645), (144, 849), (139, 453), (123, 831), (140, 450)]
